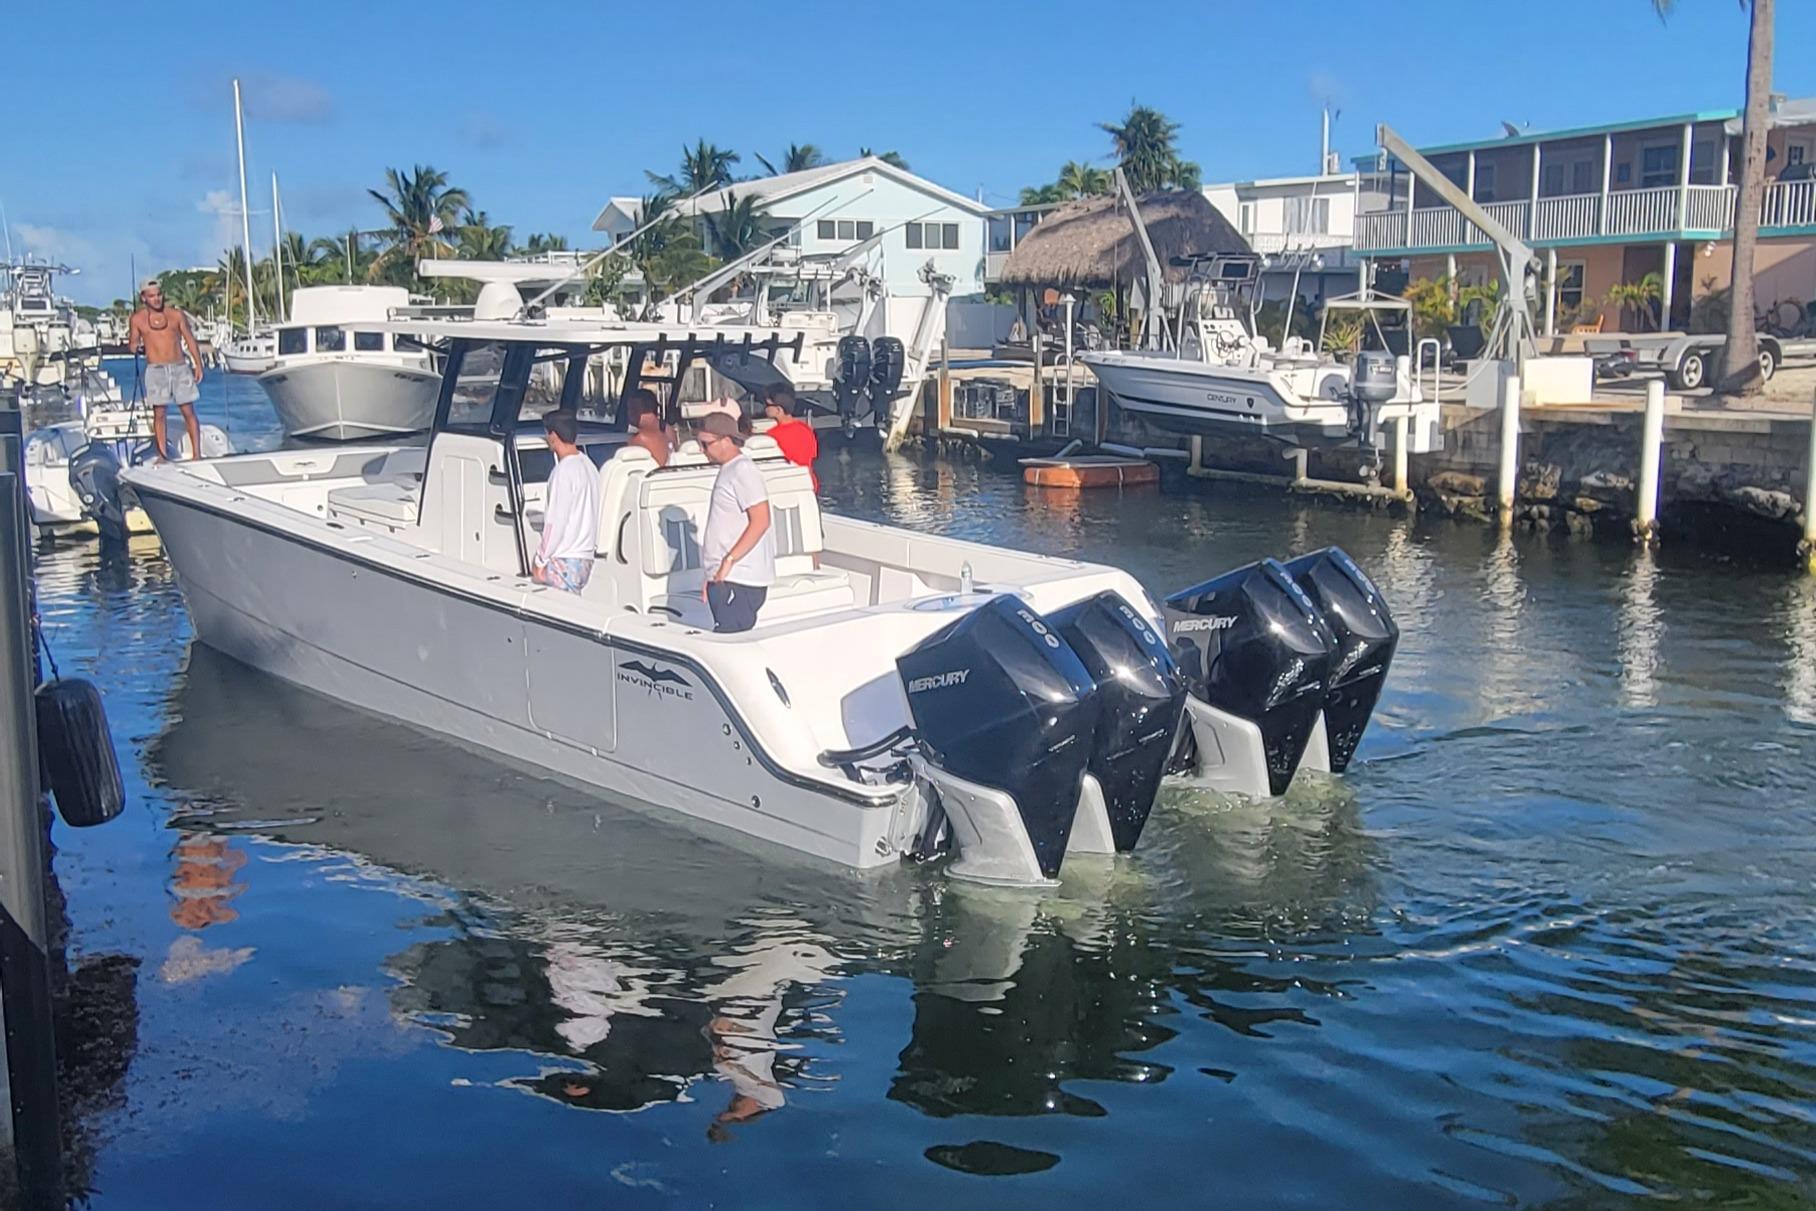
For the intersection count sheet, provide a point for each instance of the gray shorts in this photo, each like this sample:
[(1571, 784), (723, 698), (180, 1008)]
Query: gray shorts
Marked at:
[(172, 383)]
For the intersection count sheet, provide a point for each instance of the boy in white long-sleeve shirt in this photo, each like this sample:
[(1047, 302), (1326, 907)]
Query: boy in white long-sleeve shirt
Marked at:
[(570, 519)]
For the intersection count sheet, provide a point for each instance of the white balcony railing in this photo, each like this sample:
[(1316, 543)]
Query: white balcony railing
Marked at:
[(1661, 211), (1790, 204), (1572, 215), (1642, 211)]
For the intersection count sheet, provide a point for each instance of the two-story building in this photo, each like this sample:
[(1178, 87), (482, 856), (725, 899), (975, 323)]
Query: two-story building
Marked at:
[(833, 207), (1304, 228), (1607, 205)]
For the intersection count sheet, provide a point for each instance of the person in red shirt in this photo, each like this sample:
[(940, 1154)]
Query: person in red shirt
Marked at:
[(798, 442)]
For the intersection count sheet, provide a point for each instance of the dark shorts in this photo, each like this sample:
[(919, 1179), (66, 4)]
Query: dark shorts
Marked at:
[(734, 606)]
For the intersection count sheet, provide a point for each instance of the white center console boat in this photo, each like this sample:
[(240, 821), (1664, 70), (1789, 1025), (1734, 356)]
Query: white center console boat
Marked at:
[(902, 695), (1222, 378)]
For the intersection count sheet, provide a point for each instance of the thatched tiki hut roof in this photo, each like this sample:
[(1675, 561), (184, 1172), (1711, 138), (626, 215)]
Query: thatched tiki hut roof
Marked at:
[(1091, 243)]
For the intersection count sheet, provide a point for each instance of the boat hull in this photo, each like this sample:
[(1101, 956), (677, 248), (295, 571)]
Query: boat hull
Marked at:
[(1198, 399), (350, 400), (607, 713)]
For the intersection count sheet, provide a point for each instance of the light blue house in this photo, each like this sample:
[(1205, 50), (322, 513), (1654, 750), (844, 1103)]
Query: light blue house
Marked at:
[(835, 207)]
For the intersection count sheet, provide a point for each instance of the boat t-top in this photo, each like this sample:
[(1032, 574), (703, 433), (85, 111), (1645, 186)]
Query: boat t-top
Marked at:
[(903, 695)]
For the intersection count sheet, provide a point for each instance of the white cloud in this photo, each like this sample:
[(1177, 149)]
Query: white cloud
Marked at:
[(224, 233), (105, 271), (274, 98)]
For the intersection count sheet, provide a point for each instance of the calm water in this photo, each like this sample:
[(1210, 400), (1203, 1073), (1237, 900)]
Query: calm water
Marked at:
[(1552, 942)]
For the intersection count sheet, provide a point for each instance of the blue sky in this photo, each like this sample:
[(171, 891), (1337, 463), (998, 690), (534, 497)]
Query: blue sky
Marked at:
[(120, 141)]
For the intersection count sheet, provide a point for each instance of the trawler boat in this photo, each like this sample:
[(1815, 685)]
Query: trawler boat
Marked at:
[(338, 375), (250, 353), (903, 695), (1221, 378)]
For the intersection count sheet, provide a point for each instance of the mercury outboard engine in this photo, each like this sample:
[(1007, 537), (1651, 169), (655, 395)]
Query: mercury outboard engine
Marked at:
[(1366, 636), (1003, 712), (94, 472), (1256, 657), (1143, 697), (888, 360), (1373, 381), (852, 375)]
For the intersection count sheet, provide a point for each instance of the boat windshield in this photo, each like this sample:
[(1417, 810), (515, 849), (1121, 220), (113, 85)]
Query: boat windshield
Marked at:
[(480, 371)]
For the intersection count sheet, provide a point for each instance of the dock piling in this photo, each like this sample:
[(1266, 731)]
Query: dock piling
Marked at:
[(1510, 446), (1806, 550), (1651, 455), (1402, 435)]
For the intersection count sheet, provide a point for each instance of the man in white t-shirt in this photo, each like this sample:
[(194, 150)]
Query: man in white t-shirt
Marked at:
[(570, 517), (738, 549)]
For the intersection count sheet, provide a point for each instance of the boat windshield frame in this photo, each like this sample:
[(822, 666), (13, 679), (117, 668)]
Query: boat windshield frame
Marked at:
[(505, 419)]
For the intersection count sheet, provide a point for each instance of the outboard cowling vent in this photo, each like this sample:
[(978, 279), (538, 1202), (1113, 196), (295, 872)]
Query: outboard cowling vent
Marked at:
[(1251, 644), (1004, 713), (1143, 696), (1366, 636), (851, 377)]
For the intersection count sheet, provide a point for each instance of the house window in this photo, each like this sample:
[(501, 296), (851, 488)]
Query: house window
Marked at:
[(1484, 190), (826, 229), (1245, 218), (1658, 166), (369, 342), (1794, 153), (1307, 216), (932, 236), (866, 229), (1570, 285), (1567, 177), (1702, 162)]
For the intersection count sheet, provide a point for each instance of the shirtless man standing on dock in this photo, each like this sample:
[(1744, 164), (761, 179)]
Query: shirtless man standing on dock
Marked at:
[(163, 333)]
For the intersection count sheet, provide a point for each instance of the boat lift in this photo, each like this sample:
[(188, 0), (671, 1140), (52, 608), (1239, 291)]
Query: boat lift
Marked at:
[(1512, 336)]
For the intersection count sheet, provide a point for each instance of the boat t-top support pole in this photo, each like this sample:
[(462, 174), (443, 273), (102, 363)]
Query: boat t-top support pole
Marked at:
[(1517, 257), (621, 248)]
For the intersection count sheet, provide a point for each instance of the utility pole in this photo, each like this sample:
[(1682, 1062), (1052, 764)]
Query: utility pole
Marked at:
[(25, 991)]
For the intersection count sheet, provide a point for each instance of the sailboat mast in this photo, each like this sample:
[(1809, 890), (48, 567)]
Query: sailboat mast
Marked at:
[(239, 134), (277, 247)]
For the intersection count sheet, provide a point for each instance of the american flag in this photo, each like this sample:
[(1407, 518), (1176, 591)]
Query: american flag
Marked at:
[(435, 224)]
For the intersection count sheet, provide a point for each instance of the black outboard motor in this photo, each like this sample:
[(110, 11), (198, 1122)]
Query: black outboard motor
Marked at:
[(1251, 643), (852, 375), (1366, 636), (888, 360), (1143, 697), (1004, 713), (94, 472)]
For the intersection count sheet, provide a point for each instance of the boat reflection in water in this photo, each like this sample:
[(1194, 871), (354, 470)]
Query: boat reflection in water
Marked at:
[(636, 960)]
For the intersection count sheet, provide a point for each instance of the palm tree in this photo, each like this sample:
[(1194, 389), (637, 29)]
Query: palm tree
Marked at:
[(1641, 298), (703, 166), (798, 158), (740, 228), (479, 240), (1041, 195), (1082, 181), (891, 158), (423, 210), (1741, 364), (1143, 144)]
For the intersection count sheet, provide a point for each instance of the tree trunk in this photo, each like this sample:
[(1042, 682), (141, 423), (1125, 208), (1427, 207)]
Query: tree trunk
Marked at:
[(1741, 365)]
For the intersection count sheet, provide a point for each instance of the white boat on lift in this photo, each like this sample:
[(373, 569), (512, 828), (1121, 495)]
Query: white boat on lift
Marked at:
[(1222, 378), (902, 694), (339, 375)]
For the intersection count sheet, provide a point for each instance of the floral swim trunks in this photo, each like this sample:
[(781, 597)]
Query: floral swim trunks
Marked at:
[(569, 575)]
